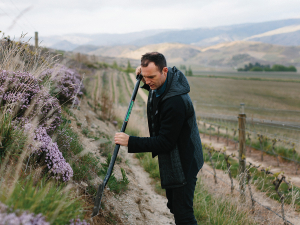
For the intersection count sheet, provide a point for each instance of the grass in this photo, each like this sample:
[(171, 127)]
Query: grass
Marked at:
[(139, 99), (85, 131), (250, 74), (151, 166), (95, 92), (105, 80), (112, 87), (263, 182), (54, 201), (11, 140), (85, 167), (115, 185), (122, 99), (223, 96), (69, 112), (249, 78), (215, 210)]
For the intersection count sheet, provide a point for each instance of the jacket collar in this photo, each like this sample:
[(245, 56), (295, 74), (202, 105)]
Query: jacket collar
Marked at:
[(161, 89)]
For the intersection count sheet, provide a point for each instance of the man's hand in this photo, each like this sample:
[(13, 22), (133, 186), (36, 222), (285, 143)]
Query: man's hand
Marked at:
[(121, 139), (138, 71)]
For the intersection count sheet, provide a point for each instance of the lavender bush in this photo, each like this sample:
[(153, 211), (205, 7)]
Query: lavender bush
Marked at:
[(53, 157), (25, 97), (67, 85), (78, 222), (20, 218)]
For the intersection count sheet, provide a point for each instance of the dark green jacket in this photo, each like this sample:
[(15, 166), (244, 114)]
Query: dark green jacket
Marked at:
[(174, 134)]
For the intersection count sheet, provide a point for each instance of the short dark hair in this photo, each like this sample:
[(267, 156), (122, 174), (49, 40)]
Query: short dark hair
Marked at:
[(157, 58)]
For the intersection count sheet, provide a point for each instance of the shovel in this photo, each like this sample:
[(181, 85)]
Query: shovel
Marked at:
[(116, 151)]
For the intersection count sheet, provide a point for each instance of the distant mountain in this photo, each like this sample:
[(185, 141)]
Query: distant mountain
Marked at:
[(86, 48), (210, 36), (110, 51), (238, 53), (64, 45), (282, 32), (174, 52), (225, 46), (288, 35), (229, 54), (100, 39)]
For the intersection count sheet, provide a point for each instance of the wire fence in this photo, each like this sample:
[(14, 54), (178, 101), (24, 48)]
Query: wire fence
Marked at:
[(254, 135), (262, 137), (247, 176), (251, 199)]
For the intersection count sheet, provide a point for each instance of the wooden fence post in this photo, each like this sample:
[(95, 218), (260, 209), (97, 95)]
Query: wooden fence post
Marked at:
[(218, 134), (36, 37), (242, 152)]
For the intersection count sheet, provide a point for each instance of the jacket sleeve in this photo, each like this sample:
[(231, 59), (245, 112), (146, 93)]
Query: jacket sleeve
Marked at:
[(172, 119)]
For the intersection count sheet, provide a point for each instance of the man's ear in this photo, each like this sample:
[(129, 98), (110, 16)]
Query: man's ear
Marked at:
[(165, 70)]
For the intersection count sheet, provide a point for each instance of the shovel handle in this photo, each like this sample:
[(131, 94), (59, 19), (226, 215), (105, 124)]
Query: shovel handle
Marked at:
[(116, 151)]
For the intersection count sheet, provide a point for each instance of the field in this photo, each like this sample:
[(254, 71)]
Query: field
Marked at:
[(223, 96), (249, 74)]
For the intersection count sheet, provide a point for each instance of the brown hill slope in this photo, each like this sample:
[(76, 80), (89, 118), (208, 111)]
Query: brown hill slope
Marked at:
[(229, 54)]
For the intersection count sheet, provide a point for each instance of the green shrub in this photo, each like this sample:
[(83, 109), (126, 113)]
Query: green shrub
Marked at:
[(11, 139), (115, 185), (54, 201), (256, 69)]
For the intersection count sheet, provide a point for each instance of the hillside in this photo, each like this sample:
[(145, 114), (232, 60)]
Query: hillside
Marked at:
[(229, 54), (57, 127), (273, 42), (281, 32), (238, 53)]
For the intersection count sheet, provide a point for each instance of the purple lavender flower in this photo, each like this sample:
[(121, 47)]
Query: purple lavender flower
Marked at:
[(54, 158), (18, 87), (20, 218), (67, 83), (78, 222), (27, 99)]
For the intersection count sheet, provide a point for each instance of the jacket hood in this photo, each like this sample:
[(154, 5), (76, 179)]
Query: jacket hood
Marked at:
[(177, 83)]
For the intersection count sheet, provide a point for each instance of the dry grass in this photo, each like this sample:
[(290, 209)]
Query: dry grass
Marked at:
[(20, 56), (219, 92), (212, 208)]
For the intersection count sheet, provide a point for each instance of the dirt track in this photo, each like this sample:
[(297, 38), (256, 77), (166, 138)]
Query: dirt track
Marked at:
[(140, 204)]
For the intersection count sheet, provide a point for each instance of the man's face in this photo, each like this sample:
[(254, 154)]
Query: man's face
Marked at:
[(153, 77)]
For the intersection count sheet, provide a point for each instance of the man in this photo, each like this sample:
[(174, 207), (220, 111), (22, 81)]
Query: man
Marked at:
[(174, 135)]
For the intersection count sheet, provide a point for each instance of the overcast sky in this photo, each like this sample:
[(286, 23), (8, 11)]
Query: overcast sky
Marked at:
[(55, 17)]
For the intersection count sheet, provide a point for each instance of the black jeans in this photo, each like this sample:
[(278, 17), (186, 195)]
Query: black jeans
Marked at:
[(180, 202)]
